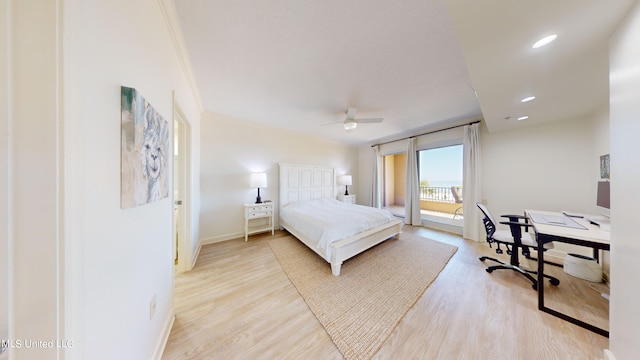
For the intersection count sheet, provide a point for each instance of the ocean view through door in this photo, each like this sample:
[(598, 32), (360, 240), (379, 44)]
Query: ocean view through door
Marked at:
[(440, 172)]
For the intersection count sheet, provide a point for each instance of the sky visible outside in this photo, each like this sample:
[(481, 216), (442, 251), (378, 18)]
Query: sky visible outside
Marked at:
[(441, 166)]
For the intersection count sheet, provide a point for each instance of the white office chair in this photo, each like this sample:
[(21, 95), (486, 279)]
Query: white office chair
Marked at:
[(458, 200), (514, 240)]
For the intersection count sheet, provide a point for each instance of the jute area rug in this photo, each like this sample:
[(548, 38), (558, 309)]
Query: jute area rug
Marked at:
[(360, 308)]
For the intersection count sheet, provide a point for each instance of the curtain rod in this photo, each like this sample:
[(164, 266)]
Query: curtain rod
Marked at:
[(427, 133)]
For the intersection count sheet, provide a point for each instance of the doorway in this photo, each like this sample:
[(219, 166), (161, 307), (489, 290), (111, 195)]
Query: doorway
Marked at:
[(440, 171), (181, 248), (394, 170)]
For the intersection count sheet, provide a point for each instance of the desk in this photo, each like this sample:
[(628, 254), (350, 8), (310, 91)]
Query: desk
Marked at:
[(591, 237)]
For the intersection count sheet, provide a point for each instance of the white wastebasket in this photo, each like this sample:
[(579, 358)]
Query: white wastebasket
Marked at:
[(583, 267)]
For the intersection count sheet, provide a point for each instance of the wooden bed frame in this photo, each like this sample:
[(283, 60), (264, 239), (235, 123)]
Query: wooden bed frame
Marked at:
[(308, 182)]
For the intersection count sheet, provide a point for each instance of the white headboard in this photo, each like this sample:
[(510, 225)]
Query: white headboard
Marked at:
[(305, 182)]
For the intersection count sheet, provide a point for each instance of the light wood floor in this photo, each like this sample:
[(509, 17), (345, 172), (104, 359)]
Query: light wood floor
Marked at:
[(237, 303)]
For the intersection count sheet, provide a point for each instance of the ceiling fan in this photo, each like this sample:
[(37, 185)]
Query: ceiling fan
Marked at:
[(351, 122)]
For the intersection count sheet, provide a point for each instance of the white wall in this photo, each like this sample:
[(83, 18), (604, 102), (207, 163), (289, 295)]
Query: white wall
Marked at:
[(232, 148), (126, 256), (625, 176), (4, 170), (554, 166), (85, 270), (34, 174)]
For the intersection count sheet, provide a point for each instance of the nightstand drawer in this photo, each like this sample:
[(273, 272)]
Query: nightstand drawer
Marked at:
[(258, 208), (257, 214), (349, 199)]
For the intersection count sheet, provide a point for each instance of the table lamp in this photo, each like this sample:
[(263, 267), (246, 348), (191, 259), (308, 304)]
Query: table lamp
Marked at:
[(346, 181), (258, 180)]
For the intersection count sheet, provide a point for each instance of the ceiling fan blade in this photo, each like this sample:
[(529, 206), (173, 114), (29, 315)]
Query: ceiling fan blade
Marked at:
[(369, 120), (351, 113), (332, 123)]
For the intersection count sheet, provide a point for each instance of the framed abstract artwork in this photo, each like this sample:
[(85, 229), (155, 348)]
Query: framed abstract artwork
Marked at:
[(604, 167), (145, 151)]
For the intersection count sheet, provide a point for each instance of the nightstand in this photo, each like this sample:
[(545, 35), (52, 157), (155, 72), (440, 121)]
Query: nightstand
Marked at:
[(349, 199), (258, 218)]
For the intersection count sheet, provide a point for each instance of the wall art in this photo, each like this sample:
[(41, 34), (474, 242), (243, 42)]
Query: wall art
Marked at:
[(144, 159), (604, 167)]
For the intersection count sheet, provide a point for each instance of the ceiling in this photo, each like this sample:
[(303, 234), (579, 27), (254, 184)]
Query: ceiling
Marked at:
[(419, 64)]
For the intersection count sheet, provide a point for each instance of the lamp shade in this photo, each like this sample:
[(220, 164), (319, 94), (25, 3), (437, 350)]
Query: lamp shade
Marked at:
[(344, 180), (258, 180)]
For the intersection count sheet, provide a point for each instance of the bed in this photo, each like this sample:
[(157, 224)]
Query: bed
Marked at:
[(337, 231)]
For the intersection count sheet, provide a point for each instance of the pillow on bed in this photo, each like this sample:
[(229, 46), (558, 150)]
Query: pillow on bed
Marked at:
[(319, 202)]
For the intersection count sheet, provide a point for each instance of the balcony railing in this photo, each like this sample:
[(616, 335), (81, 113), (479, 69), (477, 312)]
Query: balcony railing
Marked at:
[(440, 200), (438, 194)]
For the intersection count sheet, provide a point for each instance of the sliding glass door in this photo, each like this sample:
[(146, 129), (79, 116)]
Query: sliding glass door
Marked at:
[(441, 175), (440, 171)]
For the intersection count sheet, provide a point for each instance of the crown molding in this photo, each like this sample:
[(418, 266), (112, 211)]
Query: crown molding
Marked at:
[(170, 16)]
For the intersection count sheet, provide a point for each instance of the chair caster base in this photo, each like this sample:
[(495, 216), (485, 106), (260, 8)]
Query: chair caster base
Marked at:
[(524, 272)]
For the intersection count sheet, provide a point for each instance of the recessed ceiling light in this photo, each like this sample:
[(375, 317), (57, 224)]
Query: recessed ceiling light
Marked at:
[(544, 41), (523, 117), (527, 99)]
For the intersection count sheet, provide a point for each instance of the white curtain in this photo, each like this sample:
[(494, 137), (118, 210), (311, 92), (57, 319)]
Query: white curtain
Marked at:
[(471, 182), (412, 190), (375, 180)]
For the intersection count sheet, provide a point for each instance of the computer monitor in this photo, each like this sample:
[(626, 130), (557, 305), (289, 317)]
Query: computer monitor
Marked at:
[(603, 201)]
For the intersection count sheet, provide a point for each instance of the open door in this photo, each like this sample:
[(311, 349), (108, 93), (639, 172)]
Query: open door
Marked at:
[(181, 193), (177, 193)]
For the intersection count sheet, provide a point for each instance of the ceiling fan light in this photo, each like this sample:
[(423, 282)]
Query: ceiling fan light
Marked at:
[(350, 125), (544, 41)]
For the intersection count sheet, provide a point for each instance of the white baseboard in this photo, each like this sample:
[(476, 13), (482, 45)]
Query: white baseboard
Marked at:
[(162, 341), (221, 238), (608, 355), (194, 258), (554, 256), (453, 229)]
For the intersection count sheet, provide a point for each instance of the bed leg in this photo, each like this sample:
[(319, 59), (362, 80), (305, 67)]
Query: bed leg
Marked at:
[(335, 268)]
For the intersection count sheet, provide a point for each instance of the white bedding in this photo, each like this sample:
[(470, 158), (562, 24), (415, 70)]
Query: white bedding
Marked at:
[(328, 220)]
